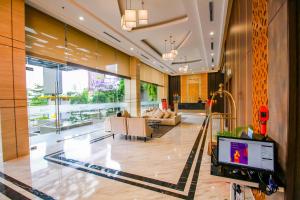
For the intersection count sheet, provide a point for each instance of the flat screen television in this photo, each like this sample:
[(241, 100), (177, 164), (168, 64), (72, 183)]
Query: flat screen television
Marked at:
[(246, 153)]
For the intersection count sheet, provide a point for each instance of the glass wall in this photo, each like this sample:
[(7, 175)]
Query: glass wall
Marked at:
[(149, 95), (62, 97)]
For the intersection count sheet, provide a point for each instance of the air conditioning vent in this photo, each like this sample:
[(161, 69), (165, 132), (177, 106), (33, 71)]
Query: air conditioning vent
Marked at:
[(211, 11), (212, 60), (145, 56), (212, 46), (109, 35)]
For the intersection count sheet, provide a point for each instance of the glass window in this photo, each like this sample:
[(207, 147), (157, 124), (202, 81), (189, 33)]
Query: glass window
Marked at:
[(148, 95), (70, 100)]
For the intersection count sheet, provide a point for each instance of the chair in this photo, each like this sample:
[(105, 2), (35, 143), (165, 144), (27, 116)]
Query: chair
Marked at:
[(138, 126), (107, 125), (118, 126)]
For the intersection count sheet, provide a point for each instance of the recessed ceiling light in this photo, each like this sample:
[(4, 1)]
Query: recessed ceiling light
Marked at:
[(154, 62), (212, 65), (81, 18), (212, 54), (211, 33), (131, 48)]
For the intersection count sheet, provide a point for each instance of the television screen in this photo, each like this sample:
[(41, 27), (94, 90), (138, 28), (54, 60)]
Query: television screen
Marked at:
[(246, 153)]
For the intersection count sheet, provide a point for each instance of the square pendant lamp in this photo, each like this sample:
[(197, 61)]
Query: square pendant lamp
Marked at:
[(123, 24), (130, 18), (143, 17)]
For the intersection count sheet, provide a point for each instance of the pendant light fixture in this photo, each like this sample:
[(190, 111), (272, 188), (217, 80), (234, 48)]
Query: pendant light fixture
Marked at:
[(172, 53), (123, 24), (143, 15), (130, 16), (185, 68), (133, 17)]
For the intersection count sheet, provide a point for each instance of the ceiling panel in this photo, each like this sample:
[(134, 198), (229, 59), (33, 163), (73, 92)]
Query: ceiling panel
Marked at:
[(176, 17)]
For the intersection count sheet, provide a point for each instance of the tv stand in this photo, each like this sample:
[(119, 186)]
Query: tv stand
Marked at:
[(240, 176)]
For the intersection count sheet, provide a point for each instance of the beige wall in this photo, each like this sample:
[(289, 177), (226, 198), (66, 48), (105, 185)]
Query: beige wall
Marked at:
[(13, 103), (151, 75), (163, 92), (193, 87), (132, 88)]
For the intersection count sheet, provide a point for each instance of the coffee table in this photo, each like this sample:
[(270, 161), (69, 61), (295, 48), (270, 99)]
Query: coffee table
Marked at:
[(154, 124)]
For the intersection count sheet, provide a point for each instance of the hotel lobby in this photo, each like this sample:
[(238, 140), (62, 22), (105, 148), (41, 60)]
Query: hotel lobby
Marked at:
[(149, 99)]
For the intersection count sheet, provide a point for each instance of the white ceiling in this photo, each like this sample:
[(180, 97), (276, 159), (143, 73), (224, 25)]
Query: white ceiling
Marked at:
[(186, 20)]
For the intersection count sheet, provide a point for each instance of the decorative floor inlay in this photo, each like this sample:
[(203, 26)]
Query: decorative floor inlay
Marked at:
[(60, 158), (13, 194), (97, 166)]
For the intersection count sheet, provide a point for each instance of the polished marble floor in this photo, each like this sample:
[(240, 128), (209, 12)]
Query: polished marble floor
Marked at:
[(96, 166)]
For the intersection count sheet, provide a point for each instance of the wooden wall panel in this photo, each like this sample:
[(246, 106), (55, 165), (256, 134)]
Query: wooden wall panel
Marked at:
[(13, 132), (5, 18), (18, 20), (6, 73), (7, 119), (238, 59), (22, 130), (19, 73), (189, 91)]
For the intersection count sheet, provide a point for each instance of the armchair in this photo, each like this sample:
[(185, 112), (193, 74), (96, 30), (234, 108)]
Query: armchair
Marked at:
[(118, 126), (138, 126)]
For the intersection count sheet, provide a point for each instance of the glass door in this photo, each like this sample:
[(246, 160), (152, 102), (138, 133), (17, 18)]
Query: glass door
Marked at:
[(43, 88), (66, 102)]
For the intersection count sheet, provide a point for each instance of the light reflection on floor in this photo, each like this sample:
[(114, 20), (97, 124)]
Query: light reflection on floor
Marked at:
[(160, 159)]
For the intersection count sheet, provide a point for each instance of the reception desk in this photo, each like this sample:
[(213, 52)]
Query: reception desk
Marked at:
[(191, 106)]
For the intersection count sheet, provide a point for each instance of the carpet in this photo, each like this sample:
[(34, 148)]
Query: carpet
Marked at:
[(157, 133)]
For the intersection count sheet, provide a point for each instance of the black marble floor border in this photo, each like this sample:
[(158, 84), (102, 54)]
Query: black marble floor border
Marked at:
[(179, 186), (122, 180), (25, 187), (181, 183), (10, 193), (194, 182)]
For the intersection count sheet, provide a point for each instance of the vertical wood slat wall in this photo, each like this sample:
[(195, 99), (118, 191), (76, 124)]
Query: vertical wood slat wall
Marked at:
[(13, 102), (238, 59)]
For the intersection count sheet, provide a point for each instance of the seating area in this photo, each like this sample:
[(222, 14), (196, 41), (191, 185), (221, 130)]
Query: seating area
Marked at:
[(141, 127)]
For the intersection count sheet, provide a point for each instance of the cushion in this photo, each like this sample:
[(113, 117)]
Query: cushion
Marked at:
[(172, 114), (167, 115), (158, 114)]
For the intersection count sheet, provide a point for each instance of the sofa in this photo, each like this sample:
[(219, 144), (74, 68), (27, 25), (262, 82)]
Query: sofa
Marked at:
[(167, 117)]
